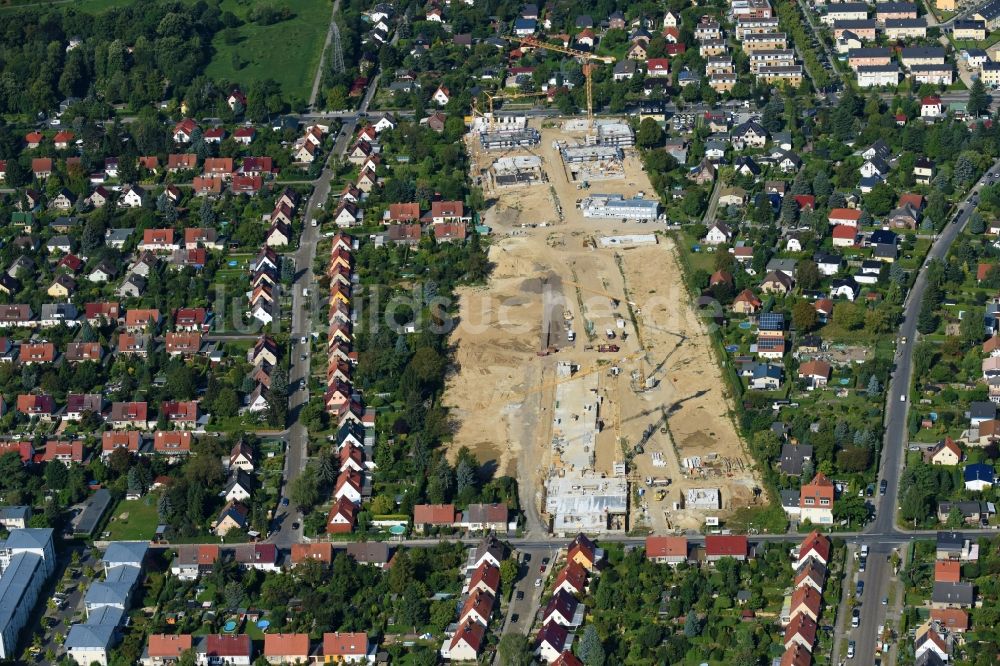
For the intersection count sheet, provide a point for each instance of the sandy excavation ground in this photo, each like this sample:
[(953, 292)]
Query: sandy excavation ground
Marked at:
[(501, 391)]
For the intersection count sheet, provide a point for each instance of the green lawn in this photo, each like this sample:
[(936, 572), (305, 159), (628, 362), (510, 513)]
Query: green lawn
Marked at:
[(140, 524), (287, 52)]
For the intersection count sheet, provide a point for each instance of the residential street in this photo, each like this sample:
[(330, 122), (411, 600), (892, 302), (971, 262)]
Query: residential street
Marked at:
[(303, 325), (897, 438)]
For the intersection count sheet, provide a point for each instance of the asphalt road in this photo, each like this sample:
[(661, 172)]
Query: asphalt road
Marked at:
[(883, 529), (303, 310), (526, 608)]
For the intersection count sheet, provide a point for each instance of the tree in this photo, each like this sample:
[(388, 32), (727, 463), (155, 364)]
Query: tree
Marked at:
[(927, 319), (771, 119), (977, 225), (514, 650), (234, 595), (591, 651), (650, 134), (304, 490), (789, 209), (971, 328), (979, 101), (164, 508), (850, 508), (848, 315), (874, 389), (508, 573), (965, 171), (807, 274), (804, 317), (691, 626), (326, 472), (821, 184)]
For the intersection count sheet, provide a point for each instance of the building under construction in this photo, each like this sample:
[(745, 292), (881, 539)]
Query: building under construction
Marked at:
[(616, 134), (516, 170), (577, 154), (578, 498), (507, 139)]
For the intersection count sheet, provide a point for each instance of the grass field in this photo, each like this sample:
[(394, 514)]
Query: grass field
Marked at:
[(140, 524), (287, 52)]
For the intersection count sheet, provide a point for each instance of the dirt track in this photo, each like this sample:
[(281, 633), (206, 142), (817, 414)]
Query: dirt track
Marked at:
[(502, 395)]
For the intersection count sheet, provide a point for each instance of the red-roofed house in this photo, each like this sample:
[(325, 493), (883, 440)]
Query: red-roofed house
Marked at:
[(658, 67), (184, 129), (23, 449), (433, 515), (844, 236), (467, 642), (448, 211), (65, 452), (584, 552), (846, 216), (286, 648), (95, 312), (181, 413), (401, 213), (478, 607), (796, 655), (572, 578), (805, 201), (228, 649), (206, 186), (666, 549), (126, 439), (816, 547), (350, 648), (342, 516), (171, 442), (158, 240), (953, 619), (816, 501), (320, 551), (486, 577), (947, 571), (41, 406), (802, 630), (718, 546), (167, 648), (806, 600)]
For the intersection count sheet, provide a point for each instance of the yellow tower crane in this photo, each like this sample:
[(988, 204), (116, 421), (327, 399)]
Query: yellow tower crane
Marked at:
[(588, 63)]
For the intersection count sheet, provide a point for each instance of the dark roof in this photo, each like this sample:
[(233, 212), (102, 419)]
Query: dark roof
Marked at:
[(793, 456), (94, 509), (953, 593), (922, 52)]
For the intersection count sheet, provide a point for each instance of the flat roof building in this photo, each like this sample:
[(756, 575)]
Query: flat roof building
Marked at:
[(615, 206), (27, 559)]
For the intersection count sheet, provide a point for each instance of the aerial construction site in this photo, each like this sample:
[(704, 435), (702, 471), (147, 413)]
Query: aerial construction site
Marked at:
[(582, 367)]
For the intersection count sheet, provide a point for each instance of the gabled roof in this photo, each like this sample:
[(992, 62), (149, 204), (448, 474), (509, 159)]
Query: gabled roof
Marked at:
[(802, 625), (574, 574), (666, 546), (732, 545), (168, 646), (816, 544), (345, 644), (947, 571), (554, 635), (487, 574), (434, 514), (472, 633), (237, 645)]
